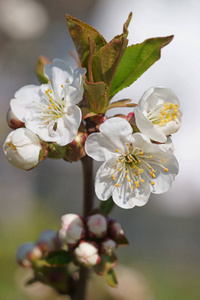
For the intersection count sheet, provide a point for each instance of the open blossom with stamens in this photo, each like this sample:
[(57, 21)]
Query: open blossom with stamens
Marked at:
[(50, 110), (133, 168), (158, 113)]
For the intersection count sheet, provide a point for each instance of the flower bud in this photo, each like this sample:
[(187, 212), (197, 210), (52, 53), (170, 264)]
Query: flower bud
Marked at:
[(27, 253), (115, 230), (93, 123), (108, 246), (76, 149), (13, 121), (48, 241), (97, 226), (72, 229), (87, 254), (22, 148)]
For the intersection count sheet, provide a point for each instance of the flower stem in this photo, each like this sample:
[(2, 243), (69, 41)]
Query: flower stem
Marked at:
[(88, 195)]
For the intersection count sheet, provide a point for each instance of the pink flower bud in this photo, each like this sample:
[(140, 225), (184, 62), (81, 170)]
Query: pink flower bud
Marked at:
[(97, 226), (87, 254), (27, 253), (115, 230), (108, 246), (72, 229), (48, 241), (13, 121), (76, 149)]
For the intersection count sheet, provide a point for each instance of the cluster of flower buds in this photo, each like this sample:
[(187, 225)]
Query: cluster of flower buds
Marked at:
[(92, 238), (29, 253)]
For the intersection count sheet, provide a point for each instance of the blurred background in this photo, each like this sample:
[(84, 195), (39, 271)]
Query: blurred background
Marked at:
[(163, 259)]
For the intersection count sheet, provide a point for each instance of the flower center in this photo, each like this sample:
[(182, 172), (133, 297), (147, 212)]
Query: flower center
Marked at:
[(163, 114), (52, 107), (136, 167)]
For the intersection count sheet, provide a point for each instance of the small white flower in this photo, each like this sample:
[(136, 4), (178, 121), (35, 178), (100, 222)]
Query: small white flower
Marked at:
[(50, 110), (133, 168), (97, 226), (87, 254), (158, 113), (22, 148), (72, 229)]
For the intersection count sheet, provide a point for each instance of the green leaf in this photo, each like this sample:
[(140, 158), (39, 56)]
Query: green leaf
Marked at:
[(95, 96), (39, 68), (111, 278), (107, 59), (81, 33), (121, 103), (107, 206), (58, 258), (135, 61)]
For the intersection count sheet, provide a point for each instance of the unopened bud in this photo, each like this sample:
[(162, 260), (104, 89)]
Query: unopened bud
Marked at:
[(108, 246), (76, 149), (27, 253), (72, 229), (87, 254), (115, 230), (93, 123), (48, 241), (131, 119), (13, 121), (22, 148), (97, 226)]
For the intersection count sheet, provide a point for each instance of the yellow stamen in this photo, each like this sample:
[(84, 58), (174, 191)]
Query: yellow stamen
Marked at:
[(166, 170), (153, 183)]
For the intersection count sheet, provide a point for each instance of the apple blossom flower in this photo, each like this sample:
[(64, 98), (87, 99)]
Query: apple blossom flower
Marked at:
[(97, 226), (158, 113), (133, 168), (50, 110), (22, 148), (72, 229), (87, 254)]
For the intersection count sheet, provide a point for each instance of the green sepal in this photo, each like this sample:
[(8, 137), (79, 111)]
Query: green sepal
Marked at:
[(107, 206), (56, 151), (81, 33), (122, 241), (111, 278), (95, 96), (121, 103), (39, 68), (135, 61), (57, 259)]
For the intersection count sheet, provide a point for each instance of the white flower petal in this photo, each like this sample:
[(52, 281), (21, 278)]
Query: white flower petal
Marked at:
[(23, 100), (113, 136)]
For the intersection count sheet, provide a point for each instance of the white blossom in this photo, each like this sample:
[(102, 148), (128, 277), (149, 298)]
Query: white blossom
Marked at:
[(22, 148), (50, 110), (87, 254), (133, 168), (158, 113)]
